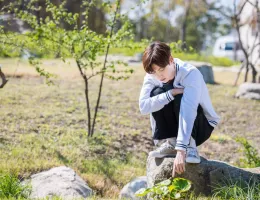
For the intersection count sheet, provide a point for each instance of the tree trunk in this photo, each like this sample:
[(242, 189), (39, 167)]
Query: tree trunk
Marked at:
[(88, 107), (4, 80), (238, 74), (104, 68), (254, 73), (86, 96), (246, 74), (184, 24)]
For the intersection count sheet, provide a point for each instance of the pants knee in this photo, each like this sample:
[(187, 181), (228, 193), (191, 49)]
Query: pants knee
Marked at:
[(157, 90)]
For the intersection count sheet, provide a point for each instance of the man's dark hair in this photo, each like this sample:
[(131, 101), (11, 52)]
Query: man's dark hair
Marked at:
[(157, 53)]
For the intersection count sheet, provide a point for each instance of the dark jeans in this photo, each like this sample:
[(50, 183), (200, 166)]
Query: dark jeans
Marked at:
[(167, 120)]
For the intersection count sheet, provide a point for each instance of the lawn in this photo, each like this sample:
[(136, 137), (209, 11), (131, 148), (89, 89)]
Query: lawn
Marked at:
[(45, 126)]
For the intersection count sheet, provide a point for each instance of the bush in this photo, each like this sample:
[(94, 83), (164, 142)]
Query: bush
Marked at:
[(252, 157)]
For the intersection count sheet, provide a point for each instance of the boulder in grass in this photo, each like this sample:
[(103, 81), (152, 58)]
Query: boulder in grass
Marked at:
[(207, 72), (205, 69), (249, 91), (204, 176), (136, 58), (59, 181)]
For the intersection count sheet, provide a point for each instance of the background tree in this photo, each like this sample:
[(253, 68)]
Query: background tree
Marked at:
[(238, 21), (190, 21), (196, 23)]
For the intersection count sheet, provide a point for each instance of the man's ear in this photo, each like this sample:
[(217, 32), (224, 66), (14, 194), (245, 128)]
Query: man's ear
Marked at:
[(170, 59)]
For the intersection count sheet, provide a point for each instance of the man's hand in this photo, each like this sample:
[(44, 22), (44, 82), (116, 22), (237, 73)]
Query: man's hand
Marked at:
[(179, 163), (177, 91)]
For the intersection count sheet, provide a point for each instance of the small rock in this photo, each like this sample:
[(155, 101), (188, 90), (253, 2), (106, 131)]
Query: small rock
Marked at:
[(249, 91), (128, 191), (137, 58)]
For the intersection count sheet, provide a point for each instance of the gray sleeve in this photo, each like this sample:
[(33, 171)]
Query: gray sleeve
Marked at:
[(189, 105), (149, 104)]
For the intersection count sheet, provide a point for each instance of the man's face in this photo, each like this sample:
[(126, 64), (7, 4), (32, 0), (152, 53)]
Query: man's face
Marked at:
[(164, 74)]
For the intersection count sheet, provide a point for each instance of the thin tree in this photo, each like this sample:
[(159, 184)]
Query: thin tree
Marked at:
[(48, 36), (4, 80)]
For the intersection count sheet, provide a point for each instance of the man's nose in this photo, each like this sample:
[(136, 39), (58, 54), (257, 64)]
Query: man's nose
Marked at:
[(161, 78)]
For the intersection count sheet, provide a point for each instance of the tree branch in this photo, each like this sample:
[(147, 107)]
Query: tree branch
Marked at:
[(250, 3), (218, 9), (241, 9)]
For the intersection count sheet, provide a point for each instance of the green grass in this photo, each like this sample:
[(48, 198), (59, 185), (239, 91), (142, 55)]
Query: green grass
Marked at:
[(12, 188), (45, 126), (220, 138), (237, 191)]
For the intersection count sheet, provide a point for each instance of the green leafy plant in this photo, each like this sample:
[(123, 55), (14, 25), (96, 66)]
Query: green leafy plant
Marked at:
[(172, 188), (252, 157), (12, 187)]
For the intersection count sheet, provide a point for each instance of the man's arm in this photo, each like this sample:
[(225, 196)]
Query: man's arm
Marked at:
[(189, 105), (149, 104)]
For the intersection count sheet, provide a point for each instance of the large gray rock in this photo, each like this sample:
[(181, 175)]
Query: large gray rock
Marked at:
[(207, 73), (128, 191), (204, 176), (249, 91), (136, 58), (59, 181), (205, 70)]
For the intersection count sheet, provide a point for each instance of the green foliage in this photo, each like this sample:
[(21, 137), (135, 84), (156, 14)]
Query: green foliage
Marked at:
[(177, 52), (11, 187), (252, 157), (215, 61), (168, 189), (41, 71), (129, 48)]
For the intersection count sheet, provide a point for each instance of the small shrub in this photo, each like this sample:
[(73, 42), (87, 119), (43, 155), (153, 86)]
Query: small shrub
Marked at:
[(252, 157)]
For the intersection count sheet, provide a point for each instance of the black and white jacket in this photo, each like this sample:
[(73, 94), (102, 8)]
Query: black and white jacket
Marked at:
[(195, 93)]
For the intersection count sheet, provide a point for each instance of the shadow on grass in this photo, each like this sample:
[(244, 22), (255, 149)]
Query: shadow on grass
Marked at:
[(62, 158)]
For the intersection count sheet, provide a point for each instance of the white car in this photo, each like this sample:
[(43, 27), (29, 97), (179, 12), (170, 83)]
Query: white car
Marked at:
[(228, 46)]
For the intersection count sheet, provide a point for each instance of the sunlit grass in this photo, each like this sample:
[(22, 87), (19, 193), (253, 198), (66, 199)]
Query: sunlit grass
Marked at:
[(45, 126)]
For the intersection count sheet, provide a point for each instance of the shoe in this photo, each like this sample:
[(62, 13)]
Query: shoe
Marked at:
[(192, 155), (166, 149)]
